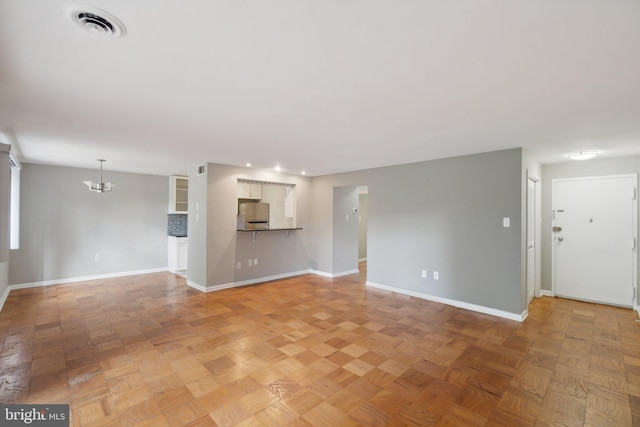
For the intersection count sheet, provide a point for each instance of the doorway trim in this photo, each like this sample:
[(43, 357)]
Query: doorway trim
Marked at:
[(537, 220)]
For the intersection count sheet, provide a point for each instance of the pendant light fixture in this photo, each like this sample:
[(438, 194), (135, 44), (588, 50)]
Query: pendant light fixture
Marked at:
[(100, 186)]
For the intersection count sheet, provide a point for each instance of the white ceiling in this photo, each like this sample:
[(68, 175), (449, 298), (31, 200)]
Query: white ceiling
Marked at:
[(324, 86)]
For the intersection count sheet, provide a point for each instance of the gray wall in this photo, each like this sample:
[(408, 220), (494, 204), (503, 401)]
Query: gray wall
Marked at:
[(574, 169), (197, 262), (224, 247), (5, 191), (443, 215), (363, 201), (63, 224)]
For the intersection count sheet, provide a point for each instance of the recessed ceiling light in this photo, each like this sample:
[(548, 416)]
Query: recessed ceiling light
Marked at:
[(583, 155), (278, 168), (248, 165), (303, 173)]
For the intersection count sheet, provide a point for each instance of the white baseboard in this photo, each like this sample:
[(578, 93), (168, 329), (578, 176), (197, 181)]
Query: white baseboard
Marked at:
[(545, 293), (346, 273), (4, 297), (334, 275), (247, 282), (321, 273), (85, 278), (267, 279), (455, 303), (197, 286)]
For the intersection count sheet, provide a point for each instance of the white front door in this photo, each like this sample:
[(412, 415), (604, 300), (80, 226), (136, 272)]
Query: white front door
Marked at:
[(531, 239), (594, 238)]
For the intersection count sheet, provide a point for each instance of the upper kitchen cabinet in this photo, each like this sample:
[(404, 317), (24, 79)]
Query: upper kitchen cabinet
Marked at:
[(249, 190), (179, 194)]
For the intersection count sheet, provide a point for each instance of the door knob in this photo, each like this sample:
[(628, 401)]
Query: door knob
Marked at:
[(560, 239)]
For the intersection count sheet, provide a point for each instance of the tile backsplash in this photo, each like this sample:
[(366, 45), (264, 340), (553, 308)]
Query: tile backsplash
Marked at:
[(177, 225)]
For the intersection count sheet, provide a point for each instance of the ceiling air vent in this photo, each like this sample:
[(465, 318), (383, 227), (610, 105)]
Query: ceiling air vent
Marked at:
[(95, 21)]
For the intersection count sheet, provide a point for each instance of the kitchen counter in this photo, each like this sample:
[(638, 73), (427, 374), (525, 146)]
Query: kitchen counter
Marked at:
[(253, 237), (272, 229)]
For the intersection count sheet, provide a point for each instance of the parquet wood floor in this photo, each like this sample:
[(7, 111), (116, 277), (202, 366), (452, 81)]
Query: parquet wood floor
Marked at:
[(310, 351)]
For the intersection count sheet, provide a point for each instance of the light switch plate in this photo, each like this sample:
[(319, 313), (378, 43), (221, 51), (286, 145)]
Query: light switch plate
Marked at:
[(506, 222)]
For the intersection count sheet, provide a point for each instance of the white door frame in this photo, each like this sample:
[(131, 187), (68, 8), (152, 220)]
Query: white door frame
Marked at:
[(634, 273), (537, 236)]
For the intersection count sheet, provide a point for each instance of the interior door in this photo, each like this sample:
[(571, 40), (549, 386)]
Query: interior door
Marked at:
[(531, 239), (594, 238)]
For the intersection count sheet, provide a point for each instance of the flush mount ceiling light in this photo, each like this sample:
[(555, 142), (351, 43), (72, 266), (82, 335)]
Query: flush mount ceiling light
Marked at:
[(95, 21), (583, 155), (100, 186)]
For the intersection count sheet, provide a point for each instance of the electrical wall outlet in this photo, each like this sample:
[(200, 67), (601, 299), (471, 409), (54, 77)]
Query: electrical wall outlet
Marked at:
[(238, 265), (96, 257), (424, 274), (255, 262), (435, 275), (250, 263)]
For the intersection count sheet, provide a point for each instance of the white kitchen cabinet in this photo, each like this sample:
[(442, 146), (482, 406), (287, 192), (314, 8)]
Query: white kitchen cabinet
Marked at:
[(178, 254), (249, 190), (179, 194)]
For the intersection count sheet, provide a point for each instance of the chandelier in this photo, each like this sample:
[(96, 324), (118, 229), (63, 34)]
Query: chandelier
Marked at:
[(100, 186)]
